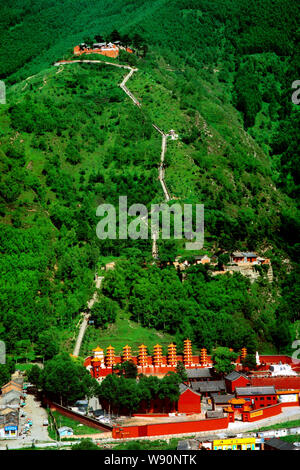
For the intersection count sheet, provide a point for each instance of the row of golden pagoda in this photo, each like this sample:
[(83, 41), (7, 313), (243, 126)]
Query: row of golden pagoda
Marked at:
[(143, 358)]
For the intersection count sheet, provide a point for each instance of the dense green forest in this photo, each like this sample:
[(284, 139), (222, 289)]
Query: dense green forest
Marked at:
[(220, 74)]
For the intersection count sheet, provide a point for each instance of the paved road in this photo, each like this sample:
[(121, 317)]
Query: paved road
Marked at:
[(14, 444), (38, 432), (85, 320), (37, 414), (161, 171)]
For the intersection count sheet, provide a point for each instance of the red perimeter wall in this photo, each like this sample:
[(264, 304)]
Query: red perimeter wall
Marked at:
[(77, 416), (266, 413), (160, 429)]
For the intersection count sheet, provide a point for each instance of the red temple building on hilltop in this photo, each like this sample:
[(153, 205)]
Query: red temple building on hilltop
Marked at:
[(107, 49)]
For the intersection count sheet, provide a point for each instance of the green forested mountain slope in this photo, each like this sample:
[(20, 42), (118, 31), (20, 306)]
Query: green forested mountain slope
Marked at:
[(217, 73)]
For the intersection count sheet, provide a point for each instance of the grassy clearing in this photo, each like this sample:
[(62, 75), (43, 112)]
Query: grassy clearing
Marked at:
[(291, 438), (287, 424), (77, 427), (148, 445), (24, 367), (124, 331)]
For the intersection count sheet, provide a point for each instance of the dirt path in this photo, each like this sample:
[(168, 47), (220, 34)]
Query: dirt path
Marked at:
[(86, 317)]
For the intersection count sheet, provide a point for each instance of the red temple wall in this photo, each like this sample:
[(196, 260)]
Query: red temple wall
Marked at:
[(266, 413), (169, 428)]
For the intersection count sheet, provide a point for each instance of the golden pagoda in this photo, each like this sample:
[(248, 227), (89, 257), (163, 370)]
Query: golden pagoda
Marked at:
[(187, 352), (126, 353), (98, 354), (203, 356), (172, 355), (143, 355), (244, 353), (110, 356), (157, 355)]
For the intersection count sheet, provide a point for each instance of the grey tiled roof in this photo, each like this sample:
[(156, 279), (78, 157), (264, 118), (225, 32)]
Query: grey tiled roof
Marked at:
[(199, 373), (183, 388), (235, 375), (211, 386), (244, 253), (9, 417), (280, 445), (251, 254), (220, 399), (255, 390)]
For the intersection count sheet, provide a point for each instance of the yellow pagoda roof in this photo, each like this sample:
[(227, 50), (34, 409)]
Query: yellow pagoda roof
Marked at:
[(98, 349), (142, 346), (110, 347), (237, 401), (126, 347), (157, 346)]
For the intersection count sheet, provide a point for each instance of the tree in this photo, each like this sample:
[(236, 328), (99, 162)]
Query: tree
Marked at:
[(24, 350), (4, 374), (169, 387), (47, 345), (85, 444), (109, 390), (223, 358), (99, 38), (181, 371), (149, 387), (129, 396), (128, 369), (114, 36), (223, 260), (167, 251), (249, 362), (137, 41), (145, 49), (34, 376), (104, 311), (125, 39), (88, 40), (72, 154), (6, 370), (67, 380)]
